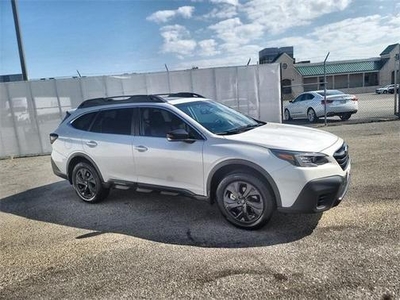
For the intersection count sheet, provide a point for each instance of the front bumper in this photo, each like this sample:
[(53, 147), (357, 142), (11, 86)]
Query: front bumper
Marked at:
[(320, 195)]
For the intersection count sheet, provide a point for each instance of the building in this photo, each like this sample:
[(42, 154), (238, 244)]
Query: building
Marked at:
[(11, 78), (355, 76), (268, 55)]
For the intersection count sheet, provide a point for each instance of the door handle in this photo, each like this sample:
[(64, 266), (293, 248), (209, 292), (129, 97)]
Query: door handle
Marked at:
[(141, 148), (91, 144)]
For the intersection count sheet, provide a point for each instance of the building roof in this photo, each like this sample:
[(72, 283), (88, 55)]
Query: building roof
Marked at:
[(389, 49), (280, 55), (340, 67)]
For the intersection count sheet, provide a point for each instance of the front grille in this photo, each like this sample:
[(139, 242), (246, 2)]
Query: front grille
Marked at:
[(342, 156)]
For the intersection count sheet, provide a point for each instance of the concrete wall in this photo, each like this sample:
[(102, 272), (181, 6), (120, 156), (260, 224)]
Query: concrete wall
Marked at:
[(30, 111)]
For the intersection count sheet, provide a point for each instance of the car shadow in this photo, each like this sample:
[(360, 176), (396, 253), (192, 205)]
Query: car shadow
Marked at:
[(155, 217)]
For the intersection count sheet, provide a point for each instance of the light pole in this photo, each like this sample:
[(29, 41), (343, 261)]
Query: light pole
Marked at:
[(397, 85), (325, 87), (19, 40)]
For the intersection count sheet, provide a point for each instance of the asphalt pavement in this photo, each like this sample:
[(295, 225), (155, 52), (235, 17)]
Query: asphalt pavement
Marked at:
[(148, 246)]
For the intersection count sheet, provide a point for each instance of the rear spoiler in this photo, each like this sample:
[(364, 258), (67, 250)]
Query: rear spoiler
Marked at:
[(67, 114)]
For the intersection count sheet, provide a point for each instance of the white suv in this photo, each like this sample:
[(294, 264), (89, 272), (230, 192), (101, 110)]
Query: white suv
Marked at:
[(190, 145)]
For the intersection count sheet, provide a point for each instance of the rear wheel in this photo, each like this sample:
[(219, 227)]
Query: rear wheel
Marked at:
[(345, 117), (311, 116), (245, 201), (287, 115), (87, 183)]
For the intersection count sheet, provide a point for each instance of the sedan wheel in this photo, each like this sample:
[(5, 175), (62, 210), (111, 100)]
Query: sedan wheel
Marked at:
[(245, 201), (311, 116), (287, 115), (345, 117), (87, 183)]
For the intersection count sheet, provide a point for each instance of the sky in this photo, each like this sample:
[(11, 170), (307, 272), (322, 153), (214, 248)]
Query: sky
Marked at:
[(104, 37)]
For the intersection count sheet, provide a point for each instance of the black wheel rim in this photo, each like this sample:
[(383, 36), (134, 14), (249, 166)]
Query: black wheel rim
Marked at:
[(85, 184), (243, 202)]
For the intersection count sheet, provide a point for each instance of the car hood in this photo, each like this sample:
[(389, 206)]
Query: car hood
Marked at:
[(289, 137)]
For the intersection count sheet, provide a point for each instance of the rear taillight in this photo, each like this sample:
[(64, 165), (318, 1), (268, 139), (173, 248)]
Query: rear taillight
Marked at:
[(53, 137), (327, 101)]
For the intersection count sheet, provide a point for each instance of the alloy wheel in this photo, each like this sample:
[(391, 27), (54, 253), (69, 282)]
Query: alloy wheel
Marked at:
[(311, 115), (86, 184), (243, 201)]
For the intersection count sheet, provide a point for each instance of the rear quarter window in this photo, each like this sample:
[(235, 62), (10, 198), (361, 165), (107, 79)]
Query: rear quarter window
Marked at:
[(83, 122)]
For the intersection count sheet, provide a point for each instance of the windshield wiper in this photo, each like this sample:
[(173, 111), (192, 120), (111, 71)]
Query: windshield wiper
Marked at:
[(240, 129)]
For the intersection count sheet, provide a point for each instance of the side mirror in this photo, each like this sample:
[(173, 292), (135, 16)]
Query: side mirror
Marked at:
[(291, 101), (179, 135)]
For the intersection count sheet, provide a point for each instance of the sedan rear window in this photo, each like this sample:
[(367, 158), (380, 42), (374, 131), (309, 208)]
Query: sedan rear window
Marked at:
[(330, 92)]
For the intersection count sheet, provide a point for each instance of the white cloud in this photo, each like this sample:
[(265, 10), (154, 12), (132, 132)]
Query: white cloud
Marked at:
[(208, 48), (238, 57), (185, 11), (354, 38), (163, 16), (177, 40), (233, 31), (223, 12), (239, 28), (230, 2), (277, 16)]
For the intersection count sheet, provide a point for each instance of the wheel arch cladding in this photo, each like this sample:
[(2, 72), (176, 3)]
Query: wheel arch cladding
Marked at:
[(229, 166)]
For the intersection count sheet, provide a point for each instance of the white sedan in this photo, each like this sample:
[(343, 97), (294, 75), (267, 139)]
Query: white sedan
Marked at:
[(384, 90), (311, 105)]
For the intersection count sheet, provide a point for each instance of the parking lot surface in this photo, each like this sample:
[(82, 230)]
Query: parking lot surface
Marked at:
[(148, 246)]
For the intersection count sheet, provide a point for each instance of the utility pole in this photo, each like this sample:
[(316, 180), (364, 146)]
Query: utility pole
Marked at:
[(396, 84), (325, 87), (19, 40)]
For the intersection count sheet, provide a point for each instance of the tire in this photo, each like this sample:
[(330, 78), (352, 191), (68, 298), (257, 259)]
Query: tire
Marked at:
[(385, 92), (345, 117), (87, 183), (251, 211), (287, 115), (311, 116)]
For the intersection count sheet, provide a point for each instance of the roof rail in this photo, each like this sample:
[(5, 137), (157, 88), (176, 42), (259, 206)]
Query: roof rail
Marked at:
[(181, 95), (121, 100)]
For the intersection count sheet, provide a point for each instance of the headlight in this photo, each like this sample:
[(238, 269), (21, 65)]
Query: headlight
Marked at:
[(301, 159)]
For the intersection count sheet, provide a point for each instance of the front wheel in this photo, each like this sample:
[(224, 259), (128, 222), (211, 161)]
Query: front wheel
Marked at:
[(245, 201), (87, 183), (311, 116)]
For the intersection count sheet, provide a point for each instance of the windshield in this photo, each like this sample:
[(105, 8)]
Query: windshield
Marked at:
[(218, 118)]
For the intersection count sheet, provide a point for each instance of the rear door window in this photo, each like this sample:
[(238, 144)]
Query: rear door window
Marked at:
[(114, 121)]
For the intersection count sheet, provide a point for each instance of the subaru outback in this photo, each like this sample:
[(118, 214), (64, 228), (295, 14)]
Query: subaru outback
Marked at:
[(186, 144)]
